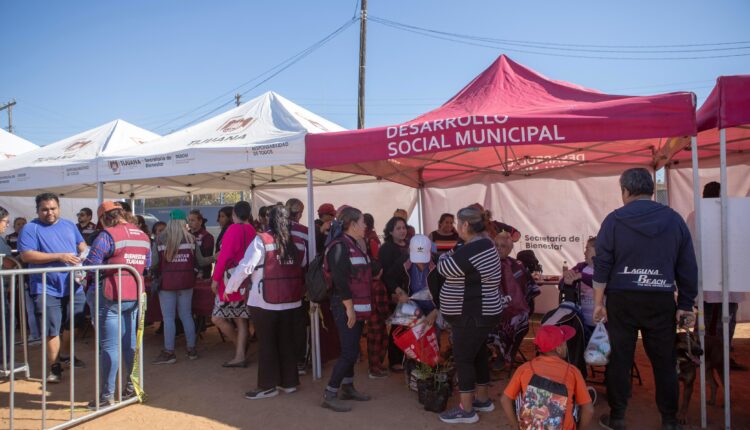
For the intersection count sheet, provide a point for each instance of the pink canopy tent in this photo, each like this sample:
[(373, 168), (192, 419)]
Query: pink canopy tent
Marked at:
[(511, 120), (722, 144)]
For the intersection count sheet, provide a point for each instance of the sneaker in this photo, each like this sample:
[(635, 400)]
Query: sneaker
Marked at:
[(288, 390), (671, 426), (592, 394), (55, 375), (34, 342), (192, 354), (459, 416), (165, 358), (103, 403), (377, 374), (79, 364), (129, 392), (262, 394), (302, 369), (611, 424), (486, 406)]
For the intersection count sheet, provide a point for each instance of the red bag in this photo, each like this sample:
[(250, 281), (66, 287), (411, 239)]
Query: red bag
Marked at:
[(418, 343)]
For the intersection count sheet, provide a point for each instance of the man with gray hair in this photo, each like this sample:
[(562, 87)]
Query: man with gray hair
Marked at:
[(644, 254)]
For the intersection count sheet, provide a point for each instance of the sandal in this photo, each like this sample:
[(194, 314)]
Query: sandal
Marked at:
[(242, 364)]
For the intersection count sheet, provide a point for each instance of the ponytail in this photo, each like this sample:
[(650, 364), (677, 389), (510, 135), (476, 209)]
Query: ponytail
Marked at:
[(278, 223)]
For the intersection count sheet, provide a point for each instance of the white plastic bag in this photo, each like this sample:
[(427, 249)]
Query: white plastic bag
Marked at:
[(598, 349), (405, 314), (79, 275)]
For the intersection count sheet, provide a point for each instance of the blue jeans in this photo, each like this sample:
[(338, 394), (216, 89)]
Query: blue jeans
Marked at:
[(35, 333), (108, 327), (173, 303), (343, 370)]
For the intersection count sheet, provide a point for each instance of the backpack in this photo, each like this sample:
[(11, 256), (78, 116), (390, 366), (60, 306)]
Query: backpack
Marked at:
[(543, 404), (317, 279)]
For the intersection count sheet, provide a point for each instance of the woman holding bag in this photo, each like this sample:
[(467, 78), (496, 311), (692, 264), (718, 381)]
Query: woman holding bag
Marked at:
[(235, 242)]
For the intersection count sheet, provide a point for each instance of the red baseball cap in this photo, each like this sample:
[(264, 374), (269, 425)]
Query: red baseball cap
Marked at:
[(327, 209), (549, 337)]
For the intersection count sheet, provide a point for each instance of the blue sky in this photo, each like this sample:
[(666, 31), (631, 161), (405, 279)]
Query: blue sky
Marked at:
[(76, 65)]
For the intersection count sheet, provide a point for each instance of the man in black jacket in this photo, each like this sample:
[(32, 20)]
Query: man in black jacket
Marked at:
[(644, 254)]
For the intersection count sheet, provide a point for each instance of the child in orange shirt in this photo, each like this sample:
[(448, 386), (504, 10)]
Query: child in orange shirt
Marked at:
[(549, 387)]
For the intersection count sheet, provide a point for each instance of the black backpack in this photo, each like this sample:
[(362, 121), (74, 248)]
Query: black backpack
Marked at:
[(317, 279)]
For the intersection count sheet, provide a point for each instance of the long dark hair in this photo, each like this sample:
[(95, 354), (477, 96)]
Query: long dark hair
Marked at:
[(278, 223), (390, 226), (227, 211)]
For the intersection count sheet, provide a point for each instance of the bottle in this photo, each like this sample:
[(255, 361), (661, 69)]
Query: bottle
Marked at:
[(565, 266)]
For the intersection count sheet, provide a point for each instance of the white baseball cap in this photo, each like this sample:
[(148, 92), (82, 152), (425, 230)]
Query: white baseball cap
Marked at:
[(420, 248)]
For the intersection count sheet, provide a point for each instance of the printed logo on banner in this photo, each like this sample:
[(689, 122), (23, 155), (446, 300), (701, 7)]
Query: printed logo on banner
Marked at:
[(75, 171), (236, 124), (138, 140), (183, 158), (114, 166), (6, 155), (315, 123), (77, 145)]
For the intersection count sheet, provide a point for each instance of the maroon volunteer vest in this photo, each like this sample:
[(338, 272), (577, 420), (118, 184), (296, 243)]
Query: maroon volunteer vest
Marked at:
[(360, 280), (300, 237), (283, 281), (131, 247), (178, 274)]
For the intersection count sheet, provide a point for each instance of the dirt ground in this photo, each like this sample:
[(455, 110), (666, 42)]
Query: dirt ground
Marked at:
[(202, 395)]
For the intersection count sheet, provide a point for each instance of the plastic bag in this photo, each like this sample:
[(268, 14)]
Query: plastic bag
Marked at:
[(405, 314), (79, 275), (598, 349), (418, 343)]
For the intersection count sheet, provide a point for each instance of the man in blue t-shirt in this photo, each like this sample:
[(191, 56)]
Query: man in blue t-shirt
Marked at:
[(49, 241)]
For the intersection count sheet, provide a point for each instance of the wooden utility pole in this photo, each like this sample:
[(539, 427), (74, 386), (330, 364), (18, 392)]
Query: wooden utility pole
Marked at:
[(237, 99), (9, 106), (362, 55)]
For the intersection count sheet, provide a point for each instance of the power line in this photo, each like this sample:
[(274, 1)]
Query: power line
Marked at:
[(273, 71), (488, 43), (547, 45)]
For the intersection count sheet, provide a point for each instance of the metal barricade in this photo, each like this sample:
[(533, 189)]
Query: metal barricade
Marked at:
[(138, 361), (6, 370)]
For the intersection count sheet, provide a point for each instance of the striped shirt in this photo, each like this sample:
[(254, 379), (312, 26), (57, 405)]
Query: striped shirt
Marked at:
[(472, 281)]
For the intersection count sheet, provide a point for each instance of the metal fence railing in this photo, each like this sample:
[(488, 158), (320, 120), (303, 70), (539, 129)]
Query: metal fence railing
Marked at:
[(16, 283)]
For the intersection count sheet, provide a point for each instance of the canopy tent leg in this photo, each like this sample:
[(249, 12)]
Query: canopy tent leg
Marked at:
[(99, 193), (698, 257), (420, 209), (252, 192), (725, 272), (314, 307)]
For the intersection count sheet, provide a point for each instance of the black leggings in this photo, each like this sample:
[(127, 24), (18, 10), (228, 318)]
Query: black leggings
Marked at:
[(471, 356)]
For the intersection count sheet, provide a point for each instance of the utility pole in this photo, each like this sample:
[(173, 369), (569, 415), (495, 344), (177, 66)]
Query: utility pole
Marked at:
[(9, 106), (237, 99), (362, 55)]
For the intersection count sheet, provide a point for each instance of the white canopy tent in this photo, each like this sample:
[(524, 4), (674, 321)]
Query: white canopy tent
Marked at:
[(260, 143), (68, 166), (10, 147)]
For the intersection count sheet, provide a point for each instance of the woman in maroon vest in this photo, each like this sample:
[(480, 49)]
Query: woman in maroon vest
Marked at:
[(231, 307), (351, 304), (119, 243), (275, 296), (175, 269)]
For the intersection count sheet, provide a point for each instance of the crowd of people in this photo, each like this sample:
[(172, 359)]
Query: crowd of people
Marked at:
[(461, 276)]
